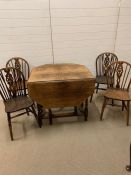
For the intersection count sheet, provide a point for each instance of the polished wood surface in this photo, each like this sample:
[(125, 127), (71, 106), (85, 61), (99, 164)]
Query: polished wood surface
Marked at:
[(60, 85)]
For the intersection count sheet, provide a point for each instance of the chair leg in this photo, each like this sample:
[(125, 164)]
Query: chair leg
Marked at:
[(27, 111), (97, 87), (10, 125), (86, 110), (122, 105), (103, 108), (128, 110)]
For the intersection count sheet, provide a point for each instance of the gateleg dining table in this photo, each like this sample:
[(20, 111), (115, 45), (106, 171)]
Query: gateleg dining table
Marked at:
[(59, 86)]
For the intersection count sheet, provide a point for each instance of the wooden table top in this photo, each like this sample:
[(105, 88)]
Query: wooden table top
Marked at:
[(59, 72), (60, 85)]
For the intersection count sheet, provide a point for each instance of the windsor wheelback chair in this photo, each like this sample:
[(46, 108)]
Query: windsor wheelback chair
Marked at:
[(102, 62), (13, 93), (120, 73)]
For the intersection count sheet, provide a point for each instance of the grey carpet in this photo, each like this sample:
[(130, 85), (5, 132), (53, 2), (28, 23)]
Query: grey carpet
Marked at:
[(70, 146)]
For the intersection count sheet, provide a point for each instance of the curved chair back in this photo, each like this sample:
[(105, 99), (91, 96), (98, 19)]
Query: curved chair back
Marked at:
[(120, 73), (20, 64), (12, 83), (103, 61)]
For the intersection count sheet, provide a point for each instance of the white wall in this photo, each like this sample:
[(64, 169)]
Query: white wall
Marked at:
[(123, 44), (25, 31), (81, 30)]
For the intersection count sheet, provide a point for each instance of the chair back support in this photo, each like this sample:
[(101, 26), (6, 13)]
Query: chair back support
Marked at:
[(12, 83), (103, 61), (20, 64), (120, 72)]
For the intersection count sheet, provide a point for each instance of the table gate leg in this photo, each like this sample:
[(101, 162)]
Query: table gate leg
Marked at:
[(86, 110), (75, 111), (50, 116), (40, 114)]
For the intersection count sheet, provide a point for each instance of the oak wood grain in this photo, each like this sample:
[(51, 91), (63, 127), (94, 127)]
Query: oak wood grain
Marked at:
[(60, 85)]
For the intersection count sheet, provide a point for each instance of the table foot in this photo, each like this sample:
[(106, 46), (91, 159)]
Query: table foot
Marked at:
[(40, 114)]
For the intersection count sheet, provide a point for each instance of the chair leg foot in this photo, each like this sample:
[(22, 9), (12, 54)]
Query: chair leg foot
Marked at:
[(38, 117), (27, 111), (122, 105), (10, 126), (97, 87), (128, 110)]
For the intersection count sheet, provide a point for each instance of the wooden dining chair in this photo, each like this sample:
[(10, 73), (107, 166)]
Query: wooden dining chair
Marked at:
[(120, 73), (13, 93), (102, 62), (20, 64)]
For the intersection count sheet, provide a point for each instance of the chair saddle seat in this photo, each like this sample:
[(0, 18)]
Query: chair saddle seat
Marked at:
[(18, 103), (117, 94), (103, 80)]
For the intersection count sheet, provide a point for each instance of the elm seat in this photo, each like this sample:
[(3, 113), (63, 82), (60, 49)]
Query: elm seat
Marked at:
[(117, 94), (103, 79), (18, 103)]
